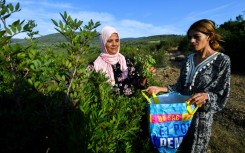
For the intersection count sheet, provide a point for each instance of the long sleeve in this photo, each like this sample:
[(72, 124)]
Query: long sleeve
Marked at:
[(218, 95)]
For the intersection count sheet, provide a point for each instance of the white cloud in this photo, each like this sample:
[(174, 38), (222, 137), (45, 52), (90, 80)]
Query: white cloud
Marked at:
[(133, 28), (43, 4), (95, 16), (43, 11), (133, 23)]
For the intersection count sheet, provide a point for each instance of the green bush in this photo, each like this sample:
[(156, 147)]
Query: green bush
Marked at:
[(50, 102)]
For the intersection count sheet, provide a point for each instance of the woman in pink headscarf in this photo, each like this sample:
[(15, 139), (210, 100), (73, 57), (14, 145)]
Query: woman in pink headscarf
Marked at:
[(120, 70)]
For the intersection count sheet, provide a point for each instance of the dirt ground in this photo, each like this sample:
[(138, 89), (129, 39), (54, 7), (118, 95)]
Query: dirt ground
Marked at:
[(228, 131)]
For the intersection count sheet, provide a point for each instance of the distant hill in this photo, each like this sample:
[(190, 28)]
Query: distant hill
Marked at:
[(47, 39), (17, 40), (57, 38), (52, 38)]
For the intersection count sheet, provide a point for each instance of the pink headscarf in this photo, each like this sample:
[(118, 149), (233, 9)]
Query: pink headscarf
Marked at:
[(104, 61)]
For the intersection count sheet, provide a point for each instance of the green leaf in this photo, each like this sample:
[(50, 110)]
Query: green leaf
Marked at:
[(19, 27), (65, 15), (73, 86), (32, 67), (3, 11), (11, 7), (2, 33), (63, 78), (30, 81), (26, 27), (13, 28), (55, 23), (22, 22), (8, 31), (60, 31), (69, 65), (6, 16), (35, 63), (61, 24), (58, 77), (75, 94), (79, 23), (36, 84), (49, 88), (17, 6)]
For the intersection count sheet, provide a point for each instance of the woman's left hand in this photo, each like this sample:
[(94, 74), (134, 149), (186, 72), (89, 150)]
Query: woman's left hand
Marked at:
[(152, 70), (198, 98)]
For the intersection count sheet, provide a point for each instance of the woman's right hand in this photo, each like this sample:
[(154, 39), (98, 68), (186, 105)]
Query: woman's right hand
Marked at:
[(156, 89)]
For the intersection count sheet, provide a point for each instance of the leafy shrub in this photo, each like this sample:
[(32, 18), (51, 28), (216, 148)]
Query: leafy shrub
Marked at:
[(50, 102)]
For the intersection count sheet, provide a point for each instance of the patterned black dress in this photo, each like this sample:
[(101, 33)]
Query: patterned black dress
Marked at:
[(213, 77), (126, 86)]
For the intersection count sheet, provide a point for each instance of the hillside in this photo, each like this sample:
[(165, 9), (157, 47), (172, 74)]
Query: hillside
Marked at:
[(57, 37), (229, 125), (46, 39)]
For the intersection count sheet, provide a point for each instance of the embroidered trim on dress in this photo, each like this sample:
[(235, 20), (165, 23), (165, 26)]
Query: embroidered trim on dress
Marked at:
[(192, 70)]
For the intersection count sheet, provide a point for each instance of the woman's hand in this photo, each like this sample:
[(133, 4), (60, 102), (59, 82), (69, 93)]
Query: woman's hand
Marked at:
[(152, 70), (156, 89), (198, 98), (143, 81)]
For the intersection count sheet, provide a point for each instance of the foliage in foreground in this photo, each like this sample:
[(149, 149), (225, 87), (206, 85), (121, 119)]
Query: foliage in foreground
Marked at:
[(50, 102)]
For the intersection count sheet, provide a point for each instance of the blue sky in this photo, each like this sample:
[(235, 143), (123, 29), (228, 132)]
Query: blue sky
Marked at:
[(132, 18)]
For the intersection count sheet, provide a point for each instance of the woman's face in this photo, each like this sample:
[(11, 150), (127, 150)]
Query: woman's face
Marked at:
[(112, 44), (198, 41)]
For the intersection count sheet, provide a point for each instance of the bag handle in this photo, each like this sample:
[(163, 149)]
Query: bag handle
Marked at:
[(188, 107), (156, 101)]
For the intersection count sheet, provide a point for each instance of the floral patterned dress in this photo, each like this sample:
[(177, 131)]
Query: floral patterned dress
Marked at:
[(125, 86), (213, 77)]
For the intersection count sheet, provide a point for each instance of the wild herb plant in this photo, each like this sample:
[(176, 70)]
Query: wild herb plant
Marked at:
[(51, 102), (110, 122)]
